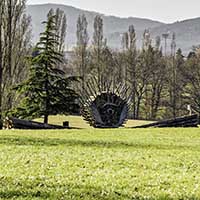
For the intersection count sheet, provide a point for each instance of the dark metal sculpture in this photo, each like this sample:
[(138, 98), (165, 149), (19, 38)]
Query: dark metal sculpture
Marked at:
[(105, 106)]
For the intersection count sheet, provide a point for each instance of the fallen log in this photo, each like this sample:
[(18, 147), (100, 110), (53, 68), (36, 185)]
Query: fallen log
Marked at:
[(186, 121), (11, 122)]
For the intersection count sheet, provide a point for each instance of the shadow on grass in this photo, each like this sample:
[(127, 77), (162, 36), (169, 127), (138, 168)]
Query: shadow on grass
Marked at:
[(89, 143), (40, 190), (85, 193), (16, 194)]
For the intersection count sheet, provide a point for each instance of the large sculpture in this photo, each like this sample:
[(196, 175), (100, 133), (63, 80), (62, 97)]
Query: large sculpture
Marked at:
[(105, 106)]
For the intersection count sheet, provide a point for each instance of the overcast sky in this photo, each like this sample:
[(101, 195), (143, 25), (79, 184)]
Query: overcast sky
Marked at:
[(162, 10)]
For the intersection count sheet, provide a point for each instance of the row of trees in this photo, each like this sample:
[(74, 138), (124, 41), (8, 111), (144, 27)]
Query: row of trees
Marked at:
[(162, 86), (15, 45), (32, 82)]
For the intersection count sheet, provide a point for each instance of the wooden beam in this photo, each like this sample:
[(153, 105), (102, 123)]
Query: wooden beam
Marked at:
[(185, 121), (15, 123)]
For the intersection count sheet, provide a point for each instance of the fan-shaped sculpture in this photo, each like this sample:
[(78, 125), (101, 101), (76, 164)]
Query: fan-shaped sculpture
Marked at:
[(105, 106)]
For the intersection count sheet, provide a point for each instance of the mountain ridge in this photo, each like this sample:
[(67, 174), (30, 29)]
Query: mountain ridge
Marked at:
[(85, 10), (187, 31)]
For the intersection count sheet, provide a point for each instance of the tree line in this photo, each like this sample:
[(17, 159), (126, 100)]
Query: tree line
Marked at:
[(162, 86), (15, 45)]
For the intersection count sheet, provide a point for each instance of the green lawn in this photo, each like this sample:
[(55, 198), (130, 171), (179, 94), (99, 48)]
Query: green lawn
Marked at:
[(78, 122), (100, 164)]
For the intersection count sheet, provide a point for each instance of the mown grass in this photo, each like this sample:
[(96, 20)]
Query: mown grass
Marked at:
[(78, 122), (100, 164)]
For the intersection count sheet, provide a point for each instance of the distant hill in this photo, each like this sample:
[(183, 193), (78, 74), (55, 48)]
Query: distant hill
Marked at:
[(188, 32), (113, 26)]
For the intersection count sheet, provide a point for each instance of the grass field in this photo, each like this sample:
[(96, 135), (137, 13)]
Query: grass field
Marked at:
[(78, 122), (100, 164)]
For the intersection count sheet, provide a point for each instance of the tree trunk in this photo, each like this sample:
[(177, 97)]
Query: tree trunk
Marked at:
[(12, 122), (1, 68), (9, 51), (1, 55), (46, 118), (47, 98), (134, 93), (138, 107), (98, 67), (186, 121), (83, 68)]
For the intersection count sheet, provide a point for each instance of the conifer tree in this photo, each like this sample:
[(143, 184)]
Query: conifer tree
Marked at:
[(47, 89)]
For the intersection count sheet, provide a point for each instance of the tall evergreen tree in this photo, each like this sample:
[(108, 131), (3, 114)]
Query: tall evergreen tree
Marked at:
[(47, 89)]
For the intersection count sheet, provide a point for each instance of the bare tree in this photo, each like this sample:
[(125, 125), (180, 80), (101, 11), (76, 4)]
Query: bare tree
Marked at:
[(191, 75), (165, 36), (81, 49), (130, 68), (98, 44), (157, 82), (2, 6), (176, 84), (61, 27), (15, 33)]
